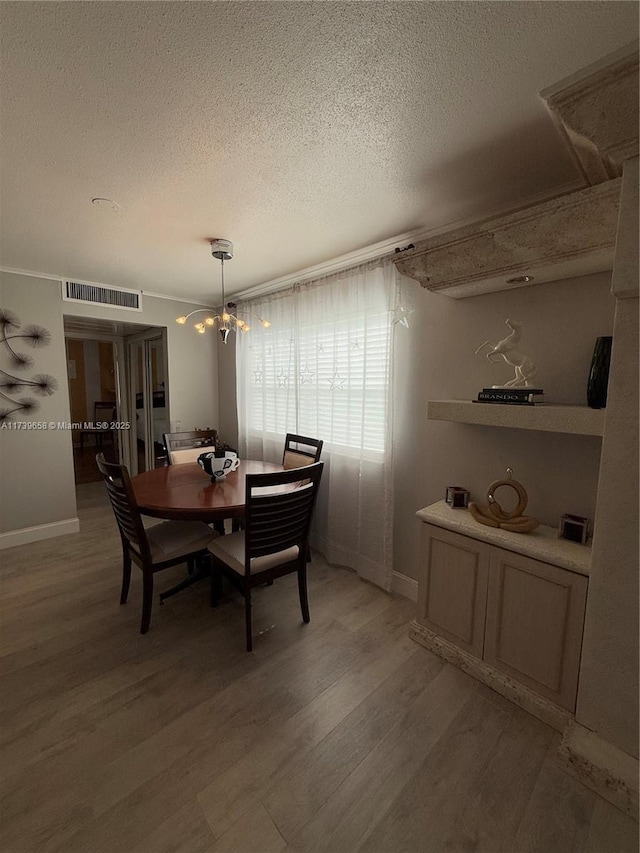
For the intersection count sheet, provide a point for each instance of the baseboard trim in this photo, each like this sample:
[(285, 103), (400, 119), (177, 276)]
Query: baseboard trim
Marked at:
[(404, 585), (25, 535), (601, 766), (540, 707)]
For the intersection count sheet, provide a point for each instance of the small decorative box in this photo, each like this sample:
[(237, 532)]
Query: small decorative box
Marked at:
[(457, 497), (575, 528)]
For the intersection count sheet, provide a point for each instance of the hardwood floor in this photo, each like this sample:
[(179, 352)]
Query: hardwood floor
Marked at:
[(340, 735)]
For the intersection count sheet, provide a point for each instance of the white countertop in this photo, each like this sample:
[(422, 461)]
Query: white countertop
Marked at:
[(541, 544)]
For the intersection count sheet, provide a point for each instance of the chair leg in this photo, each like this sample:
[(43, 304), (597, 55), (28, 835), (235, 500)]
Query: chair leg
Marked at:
[(147, 600), (302, 589), (247, 617), (126, 575)]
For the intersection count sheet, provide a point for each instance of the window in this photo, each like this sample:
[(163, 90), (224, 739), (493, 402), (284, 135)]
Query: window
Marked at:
[(322, 368)]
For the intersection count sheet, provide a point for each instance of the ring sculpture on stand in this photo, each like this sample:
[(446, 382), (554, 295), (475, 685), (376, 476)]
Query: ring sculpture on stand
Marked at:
[(493, 515)]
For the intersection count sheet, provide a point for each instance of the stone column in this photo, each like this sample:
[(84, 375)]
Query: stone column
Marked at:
[(603, 747)]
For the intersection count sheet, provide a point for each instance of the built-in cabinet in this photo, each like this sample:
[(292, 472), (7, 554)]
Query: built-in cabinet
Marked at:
[(534, 621), (520, 615), (452, 590)]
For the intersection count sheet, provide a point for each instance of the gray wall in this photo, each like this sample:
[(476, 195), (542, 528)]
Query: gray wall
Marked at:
[(228, 413), (37, 467), (193, 369)]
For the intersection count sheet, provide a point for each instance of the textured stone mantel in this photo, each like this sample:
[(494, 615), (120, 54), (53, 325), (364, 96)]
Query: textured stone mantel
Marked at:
[(565, 237), (597, 112)]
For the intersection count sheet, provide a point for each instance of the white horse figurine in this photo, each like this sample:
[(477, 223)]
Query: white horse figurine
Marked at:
[(524, 366)]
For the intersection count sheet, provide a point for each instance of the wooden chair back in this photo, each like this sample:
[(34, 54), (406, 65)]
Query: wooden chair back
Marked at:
[(177, 444), (104, 411), (277, 521), (123, 503), (299, 450)]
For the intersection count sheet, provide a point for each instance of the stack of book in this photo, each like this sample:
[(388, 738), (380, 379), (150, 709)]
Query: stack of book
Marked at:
[(511, 396)]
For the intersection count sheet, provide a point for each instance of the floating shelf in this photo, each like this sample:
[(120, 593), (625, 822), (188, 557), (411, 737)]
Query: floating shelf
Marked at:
[(544, 417), (541, 544)]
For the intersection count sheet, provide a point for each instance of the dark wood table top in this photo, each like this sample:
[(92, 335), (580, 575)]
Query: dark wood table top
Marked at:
[(186, 491)]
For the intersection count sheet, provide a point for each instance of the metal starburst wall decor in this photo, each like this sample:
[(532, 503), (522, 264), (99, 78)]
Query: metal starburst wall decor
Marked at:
[(12, 388)]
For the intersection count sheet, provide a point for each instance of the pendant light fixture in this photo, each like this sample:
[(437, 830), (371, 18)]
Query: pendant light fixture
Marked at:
[(228, 320)]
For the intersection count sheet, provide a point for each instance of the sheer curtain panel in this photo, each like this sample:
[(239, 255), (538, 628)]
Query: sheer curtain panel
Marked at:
[(323, 369)]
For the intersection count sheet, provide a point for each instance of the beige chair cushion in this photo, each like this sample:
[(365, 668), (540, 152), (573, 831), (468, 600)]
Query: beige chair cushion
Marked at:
[(173, 539), (230, 549), (296, 460), (189, 454)]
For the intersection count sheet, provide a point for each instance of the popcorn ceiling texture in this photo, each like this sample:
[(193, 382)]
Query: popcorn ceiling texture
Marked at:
[(301, 131)]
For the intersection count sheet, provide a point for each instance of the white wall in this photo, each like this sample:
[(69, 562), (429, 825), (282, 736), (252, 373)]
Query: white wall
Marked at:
[(37, 467), (435, 360)]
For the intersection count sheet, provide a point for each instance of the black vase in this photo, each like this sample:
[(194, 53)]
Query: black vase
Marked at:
[(599, 373)]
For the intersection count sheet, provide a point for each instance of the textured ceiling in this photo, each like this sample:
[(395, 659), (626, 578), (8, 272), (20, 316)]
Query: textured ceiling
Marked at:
[(300, 131)]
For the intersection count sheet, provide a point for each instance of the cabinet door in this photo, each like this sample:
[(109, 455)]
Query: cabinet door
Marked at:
[(452, 587), (535, 616)]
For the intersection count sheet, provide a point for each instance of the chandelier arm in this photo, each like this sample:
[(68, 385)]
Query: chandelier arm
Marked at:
[(197, 311)]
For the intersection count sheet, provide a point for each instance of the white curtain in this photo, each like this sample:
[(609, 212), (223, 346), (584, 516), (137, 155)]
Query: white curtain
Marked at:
[(323, 369)]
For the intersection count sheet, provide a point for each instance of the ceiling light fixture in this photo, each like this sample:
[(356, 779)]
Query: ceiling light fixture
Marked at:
[(228, 320)]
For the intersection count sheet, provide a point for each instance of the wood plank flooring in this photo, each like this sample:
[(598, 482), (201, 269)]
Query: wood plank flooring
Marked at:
[(338, 736)]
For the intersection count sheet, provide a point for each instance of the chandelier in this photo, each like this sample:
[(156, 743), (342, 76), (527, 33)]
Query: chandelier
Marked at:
[(228, 320)]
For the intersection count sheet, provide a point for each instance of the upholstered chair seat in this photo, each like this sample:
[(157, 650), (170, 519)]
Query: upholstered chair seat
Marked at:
[(230, 550), (172, 539)]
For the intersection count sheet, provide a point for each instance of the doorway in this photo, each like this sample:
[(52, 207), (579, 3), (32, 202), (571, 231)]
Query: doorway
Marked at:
[(118, 394)]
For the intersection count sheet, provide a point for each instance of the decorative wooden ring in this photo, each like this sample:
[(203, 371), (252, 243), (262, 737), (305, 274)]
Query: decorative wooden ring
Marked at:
[(495, 507)]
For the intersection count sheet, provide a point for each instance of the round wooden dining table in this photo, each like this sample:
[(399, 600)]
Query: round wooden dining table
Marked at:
[(186, 491)]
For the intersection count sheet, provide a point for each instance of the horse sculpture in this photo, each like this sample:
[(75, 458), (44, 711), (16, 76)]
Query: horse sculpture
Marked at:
[(507, 348)]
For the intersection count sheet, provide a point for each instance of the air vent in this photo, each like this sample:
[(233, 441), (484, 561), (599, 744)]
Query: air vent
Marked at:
[(102, 294)]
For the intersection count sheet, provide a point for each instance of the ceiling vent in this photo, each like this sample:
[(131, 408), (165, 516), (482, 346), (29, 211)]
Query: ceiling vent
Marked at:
[(102, 294)]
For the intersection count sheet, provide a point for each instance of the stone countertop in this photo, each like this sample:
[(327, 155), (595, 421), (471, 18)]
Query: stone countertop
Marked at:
[(541, 544)]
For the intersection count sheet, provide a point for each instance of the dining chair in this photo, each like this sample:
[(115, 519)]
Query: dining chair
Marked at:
[(152, 549), (300, 451), (279, 509), (183, 447), (187, 446), (103, 412)]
